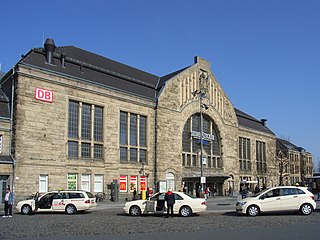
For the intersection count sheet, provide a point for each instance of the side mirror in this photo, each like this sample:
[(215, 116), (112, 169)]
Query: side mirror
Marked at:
[(262, 197)]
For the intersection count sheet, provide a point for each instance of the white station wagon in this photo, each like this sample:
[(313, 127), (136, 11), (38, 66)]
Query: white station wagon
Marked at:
[(185, 205), (278, 199), (69, 201)]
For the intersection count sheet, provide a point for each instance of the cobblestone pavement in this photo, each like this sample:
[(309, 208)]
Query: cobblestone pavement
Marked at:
[(108, 219)]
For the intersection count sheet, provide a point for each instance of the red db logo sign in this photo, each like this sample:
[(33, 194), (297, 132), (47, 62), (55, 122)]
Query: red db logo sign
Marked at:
[(43, 95)]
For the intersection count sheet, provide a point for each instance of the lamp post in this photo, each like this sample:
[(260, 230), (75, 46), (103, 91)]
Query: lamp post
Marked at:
[(201, 95)]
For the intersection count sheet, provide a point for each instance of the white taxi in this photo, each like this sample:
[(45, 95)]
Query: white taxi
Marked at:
[(69, 201), (278, 199), (185, 205)]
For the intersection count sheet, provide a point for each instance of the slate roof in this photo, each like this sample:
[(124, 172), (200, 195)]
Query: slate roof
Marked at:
[(248, 121), (96, 69), (86, 66), (290, 146), (5, 159)]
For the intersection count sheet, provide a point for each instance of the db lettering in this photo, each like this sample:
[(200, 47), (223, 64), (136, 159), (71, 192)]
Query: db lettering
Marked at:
[(44, 95)]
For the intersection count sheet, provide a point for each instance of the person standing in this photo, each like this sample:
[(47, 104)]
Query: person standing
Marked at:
[(198, 191), (230, 192), (169, 198), (257, 189), (207, 192), (134, 194), (8, 202), (214, 192)]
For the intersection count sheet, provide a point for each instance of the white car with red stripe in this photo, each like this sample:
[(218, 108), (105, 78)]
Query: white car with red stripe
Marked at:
[(185, 205), (69, 201)]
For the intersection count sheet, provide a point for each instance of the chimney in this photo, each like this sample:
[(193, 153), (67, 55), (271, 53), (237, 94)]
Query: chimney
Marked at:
[(63, 59), (49, 48), (264, 122)]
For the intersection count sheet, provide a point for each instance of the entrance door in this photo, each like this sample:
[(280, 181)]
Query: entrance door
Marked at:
[(3, 185), (170, 181)]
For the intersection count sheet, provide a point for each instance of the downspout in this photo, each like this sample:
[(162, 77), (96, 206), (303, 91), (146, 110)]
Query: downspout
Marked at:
[(155, 168), (11, 127)]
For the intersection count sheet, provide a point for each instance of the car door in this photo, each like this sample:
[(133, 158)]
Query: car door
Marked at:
[(178, 202), (58, 203), (35, 202), (289, 199), (270, 200), (45, 202), (151, 204), (160, 205)]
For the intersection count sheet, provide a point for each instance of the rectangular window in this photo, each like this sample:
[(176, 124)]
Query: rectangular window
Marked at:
[(261, 157), (97, 151), (85, 182), (73, 149), (143, 156), (142, 129), (86, 122), (43, 183), (98, 183), (133, 155), (72, 181), (133, 138), (123, 154), (123, 128), (244, 154), (85, 150), (133, 130), (73, 119), (1, 144), (98, 123), (91, 123)]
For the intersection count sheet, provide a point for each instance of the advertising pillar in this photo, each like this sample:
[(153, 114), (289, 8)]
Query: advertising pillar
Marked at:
[(143, 187)]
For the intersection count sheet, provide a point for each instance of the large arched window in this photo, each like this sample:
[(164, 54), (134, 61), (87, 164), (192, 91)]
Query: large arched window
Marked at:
[(191, 143)]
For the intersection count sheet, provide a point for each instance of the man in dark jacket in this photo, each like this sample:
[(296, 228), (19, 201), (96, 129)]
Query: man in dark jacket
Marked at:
[(169, 197)]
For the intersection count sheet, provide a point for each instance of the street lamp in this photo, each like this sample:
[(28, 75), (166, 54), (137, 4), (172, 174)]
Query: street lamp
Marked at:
[(201, 96)]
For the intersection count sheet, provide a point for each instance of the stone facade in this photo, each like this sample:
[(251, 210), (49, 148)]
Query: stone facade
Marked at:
[(295, 164), (6, 166), (40, 132), (40, 136)]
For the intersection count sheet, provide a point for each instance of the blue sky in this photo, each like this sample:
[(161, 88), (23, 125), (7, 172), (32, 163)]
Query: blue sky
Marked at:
[(265, 54)]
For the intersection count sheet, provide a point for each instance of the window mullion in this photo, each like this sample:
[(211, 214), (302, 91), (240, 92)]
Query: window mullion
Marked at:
[(128, 137), (191, 142), (80, 130), (92, 132), (138, 138)]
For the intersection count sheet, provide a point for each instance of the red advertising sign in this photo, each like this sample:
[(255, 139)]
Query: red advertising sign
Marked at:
[(133, 183), (43, 95), (143, 183), (123, 184)]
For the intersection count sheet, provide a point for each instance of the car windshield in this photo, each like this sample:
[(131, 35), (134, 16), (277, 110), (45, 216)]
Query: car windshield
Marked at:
[(189, 195), (90, 195), (259, 193)]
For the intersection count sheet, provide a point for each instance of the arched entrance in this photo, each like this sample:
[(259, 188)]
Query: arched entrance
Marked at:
[(212, 163)]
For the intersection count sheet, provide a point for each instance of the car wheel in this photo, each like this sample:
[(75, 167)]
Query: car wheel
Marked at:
[(71, 209), (253, 211), (185, 211), (306, 209), (135, 211), (26, 209)]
